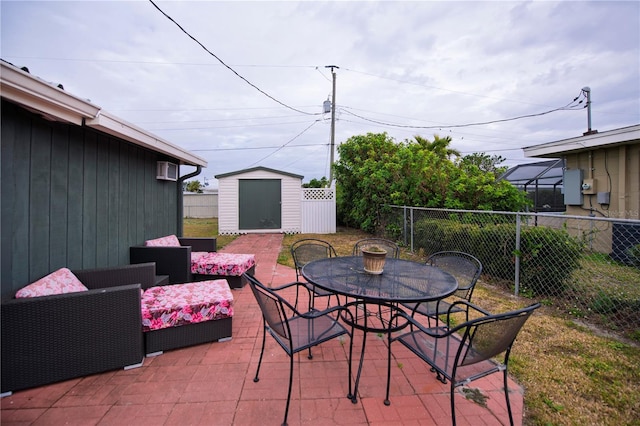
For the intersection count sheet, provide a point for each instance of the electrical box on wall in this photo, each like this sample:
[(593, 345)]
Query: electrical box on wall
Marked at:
[(589, 186), (572, 183), (603, 198), (167, 171)]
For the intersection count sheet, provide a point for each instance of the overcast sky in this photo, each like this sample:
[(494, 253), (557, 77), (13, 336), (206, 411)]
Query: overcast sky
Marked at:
[(405, 68)]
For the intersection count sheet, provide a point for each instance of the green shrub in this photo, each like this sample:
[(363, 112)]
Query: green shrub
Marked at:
[(547, 256), (634, 255)]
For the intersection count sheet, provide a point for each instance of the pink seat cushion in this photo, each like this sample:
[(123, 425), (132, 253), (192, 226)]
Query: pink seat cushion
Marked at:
[(230, 264), (181, 304), (168, 241), (58, 282)]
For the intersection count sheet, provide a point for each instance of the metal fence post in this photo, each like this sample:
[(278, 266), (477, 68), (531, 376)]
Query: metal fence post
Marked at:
[(404, 224), (411, 213), (517, 253)]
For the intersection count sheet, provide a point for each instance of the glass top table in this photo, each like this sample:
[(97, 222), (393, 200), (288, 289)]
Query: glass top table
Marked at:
[(401, 281)]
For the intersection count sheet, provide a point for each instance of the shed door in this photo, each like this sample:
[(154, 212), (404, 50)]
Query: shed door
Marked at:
[(260, 203)]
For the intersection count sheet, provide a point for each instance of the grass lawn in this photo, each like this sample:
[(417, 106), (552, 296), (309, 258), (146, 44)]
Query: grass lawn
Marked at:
[(572, 373)]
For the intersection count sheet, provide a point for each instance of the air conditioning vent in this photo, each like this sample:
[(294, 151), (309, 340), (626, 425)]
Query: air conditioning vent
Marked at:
[(167, 171)]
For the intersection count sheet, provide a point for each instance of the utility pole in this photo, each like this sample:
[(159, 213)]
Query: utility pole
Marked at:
[(333, 120), (587, 92)]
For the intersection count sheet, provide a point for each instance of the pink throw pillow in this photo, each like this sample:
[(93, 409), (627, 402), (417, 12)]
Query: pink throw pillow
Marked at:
[(168, 241), (58, 282)]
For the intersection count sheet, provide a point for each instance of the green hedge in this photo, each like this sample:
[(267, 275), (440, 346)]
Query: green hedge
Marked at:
[(547, 256)]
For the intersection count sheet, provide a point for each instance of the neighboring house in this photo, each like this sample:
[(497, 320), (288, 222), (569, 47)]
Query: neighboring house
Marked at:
[(79, 185), (602, 179), (602, 171)]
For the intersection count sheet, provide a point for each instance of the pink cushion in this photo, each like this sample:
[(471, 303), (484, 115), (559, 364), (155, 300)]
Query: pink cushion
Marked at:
[(230, 264), (181, 304), (58, 282), (168, 241)]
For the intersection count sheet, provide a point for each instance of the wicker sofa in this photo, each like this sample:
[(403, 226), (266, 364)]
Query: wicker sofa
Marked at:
[(59, 337), (49, 339), (173, 261), (178, 262)]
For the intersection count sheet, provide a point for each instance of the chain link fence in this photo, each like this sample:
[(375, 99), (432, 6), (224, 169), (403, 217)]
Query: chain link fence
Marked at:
[(589, 267)]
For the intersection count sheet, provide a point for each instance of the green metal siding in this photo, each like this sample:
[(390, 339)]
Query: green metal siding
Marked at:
[(74, 197)]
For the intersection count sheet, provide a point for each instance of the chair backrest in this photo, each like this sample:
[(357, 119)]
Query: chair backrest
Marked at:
[(391, 247), (309, 249), (465, 267), (273, 310), (489, 336)]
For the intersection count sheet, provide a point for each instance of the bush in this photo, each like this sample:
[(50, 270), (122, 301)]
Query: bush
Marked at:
[(547, 256)]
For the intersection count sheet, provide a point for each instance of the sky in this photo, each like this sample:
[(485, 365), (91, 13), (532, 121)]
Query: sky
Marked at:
[(244, 84)]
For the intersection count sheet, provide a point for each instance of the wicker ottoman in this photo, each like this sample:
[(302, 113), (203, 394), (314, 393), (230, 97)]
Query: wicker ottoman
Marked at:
[(180, 315), (229, 266)]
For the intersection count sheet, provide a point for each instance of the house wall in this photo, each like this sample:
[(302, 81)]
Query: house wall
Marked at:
[(74, 197), (228, 202), (616, 170)]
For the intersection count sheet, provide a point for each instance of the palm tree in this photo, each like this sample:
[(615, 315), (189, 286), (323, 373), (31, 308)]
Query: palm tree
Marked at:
[(439, 146)]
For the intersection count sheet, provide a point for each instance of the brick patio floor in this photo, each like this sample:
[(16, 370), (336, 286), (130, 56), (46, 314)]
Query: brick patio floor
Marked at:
[(212, 384)]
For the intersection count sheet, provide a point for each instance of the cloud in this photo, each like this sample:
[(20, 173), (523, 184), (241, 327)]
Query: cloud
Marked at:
[(405, 63)]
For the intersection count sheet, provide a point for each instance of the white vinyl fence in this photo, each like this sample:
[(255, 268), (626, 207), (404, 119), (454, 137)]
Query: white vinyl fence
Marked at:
[(318, 210)]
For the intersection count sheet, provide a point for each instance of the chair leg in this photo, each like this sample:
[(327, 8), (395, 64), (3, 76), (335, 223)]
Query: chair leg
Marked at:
[(286, 411), (264, 338), (386, 398), (453, 404), (506, 395)]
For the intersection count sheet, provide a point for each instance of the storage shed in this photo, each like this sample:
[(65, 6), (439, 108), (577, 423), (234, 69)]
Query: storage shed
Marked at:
[(260, 200)]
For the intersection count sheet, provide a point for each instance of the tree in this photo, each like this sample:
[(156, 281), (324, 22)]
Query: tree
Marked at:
[(373, 170), (485, 163), (194, 186), (315, 183), (439, 146)]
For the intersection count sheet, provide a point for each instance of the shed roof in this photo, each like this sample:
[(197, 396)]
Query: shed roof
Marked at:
[(587, 142), (55, 104), (259, 168)]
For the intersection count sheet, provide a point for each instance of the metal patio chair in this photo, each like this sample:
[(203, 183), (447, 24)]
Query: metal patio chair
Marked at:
[(465, 267), (294, 330), (465, 352), (306, 250), (391, 247)]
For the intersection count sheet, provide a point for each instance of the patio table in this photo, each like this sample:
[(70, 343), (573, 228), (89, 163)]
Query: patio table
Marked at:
[(401, 281)]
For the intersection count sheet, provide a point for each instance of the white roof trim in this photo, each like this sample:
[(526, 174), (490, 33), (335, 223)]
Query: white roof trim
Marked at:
[(56, 104), (25, 89), (114, 126), (585, 143)]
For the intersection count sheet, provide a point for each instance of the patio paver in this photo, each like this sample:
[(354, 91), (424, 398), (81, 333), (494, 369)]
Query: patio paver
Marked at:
[(212, 384)]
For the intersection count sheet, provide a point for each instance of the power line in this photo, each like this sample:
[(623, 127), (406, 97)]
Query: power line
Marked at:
[(568, 107), (226, 127), (258, 147), (283, 146), (227, 66)]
